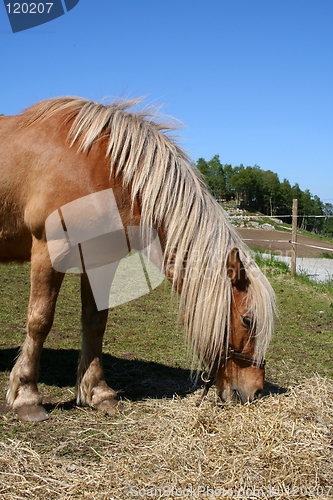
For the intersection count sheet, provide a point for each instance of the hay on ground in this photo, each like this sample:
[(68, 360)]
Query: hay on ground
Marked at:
[(279, 447)]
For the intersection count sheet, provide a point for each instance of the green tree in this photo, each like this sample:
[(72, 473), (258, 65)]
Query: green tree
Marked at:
[(286, 199), (328, 221), (213, 174), (228, 173), (271, 192), (247, 184), (261, 190)]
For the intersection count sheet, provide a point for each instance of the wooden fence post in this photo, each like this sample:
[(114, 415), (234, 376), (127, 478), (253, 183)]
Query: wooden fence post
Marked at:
[(294, 239)]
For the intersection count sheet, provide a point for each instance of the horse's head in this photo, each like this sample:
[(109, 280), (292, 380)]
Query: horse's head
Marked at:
[(240, 373)]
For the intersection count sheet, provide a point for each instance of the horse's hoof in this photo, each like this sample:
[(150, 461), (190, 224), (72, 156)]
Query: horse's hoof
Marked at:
[(109, 406), (32, 413)]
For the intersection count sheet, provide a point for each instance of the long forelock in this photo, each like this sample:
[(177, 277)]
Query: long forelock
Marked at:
[(173, 194)]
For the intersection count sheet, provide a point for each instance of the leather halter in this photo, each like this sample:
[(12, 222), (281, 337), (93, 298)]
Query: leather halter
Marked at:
[(227, 354), (231, 353)]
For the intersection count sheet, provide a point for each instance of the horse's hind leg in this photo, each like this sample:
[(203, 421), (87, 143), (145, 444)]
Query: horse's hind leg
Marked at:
[(91, 388), (23, 394)]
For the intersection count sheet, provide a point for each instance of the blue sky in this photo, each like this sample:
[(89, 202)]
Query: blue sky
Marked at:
[(252, 80)]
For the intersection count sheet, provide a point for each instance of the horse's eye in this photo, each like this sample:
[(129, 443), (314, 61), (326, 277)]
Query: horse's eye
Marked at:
[(247, 321)]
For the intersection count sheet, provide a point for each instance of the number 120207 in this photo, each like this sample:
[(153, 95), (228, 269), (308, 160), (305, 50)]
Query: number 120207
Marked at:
[(29, 8)]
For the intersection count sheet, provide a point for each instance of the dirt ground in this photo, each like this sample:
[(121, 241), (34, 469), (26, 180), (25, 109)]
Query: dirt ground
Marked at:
[(278, 241)]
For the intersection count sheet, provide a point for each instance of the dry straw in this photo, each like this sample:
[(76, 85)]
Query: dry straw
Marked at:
[(280, 447)]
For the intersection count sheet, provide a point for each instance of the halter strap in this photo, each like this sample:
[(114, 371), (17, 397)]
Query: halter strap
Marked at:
[(243, 357)]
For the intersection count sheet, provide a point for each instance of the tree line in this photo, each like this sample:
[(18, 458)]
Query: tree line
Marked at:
[(258, 190)]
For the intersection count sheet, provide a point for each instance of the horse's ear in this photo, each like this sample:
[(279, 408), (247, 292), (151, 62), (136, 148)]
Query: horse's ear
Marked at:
[(235, 270)]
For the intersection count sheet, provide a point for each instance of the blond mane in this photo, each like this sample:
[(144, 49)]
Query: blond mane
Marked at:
[(173, 194)]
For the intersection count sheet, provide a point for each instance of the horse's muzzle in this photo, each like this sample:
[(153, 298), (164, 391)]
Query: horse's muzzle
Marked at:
[(236, 395)]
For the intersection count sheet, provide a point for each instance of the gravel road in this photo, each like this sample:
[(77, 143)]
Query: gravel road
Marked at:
[(308, 250)]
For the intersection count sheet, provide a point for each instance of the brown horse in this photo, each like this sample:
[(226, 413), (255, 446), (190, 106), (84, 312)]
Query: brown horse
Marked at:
[(67, 149)]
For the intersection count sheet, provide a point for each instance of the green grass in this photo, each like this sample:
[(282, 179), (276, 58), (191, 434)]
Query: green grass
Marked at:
[(303, 340), (271, 264), (144, 349), (326, 255), (144, 357)]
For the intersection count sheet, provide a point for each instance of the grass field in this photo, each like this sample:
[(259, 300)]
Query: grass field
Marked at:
[(143, 344), (147, 361)]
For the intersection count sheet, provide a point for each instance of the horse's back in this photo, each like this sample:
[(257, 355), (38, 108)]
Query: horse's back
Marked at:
[(15, 238), (29, 183), (40, 173)]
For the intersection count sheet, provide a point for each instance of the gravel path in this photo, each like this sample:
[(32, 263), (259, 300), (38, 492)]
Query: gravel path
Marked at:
[(278, 241), (308, 251)]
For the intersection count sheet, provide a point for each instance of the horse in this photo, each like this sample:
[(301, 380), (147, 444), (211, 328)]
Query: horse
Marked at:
[(66, 149)]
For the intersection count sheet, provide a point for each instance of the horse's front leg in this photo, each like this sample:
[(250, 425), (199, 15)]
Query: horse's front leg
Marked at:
[(23, 394), (91, 388)]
